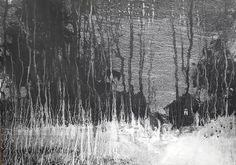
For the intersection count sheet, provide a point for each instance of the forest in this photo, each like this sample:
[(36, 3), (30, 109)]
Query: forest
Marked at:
[(82, 79)]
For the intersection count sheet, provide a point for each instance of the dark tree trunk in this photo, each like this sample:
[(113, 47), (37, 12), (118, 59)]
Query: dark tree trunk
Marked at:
[(4, 25), (190, 37), (130, 60)]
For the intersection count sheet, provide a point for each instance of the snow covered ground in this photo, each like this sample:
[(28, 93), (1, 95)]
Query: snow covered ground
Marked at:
[(214, 144), (192, 150), (119, 143)]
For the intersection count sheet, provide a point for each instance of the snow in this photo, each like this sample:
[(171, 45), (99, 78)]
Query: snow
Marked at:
[(136, 144), (192, 150)]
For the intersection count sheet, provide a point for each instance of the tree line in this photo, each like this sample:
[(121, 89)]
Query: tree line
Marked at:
[(61, 52)]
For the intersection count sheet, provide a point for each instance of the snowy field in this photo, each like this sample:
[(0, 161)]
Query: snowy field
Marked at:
[(118, 143)]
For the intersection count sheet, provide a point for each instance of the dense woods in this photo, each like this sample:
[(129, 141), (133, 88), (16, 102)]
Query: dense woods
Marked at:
[(60, 58), (117, 82)]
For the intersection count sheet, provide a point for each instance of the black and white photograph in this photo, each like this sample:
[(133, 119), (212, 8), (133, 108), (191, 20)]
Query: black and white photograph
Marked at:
[(118, 82)]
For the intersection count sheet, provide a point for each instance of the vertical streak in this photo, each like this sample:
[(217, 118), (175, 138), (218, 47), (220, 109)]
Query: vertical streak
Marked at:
[(130, 59), (190, 37), (5, 35)]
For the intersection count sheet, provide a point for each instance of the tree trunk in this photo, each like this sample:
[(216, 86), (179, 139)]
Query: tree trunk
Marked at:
[(190, 37), (175, 59), (178, 109), (141, 51), (4, 23), (130, 61)]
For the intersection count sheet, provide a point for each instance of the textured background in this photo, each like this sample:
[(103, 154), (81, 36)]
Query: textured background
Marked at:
[(158, 40)]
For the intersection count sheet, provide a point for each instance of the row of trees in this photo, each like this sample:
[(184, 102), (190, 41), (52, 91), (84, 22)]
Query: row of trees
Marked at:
[(214, 73), (61, 51)]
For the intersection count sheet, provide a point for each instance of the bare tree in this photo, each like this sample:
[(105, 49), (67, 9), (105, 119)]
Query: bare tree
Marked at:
[(130, 55), (151, 54), (190, 38), (76, 10), (4, 23), (175, 58), (141, 49)]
